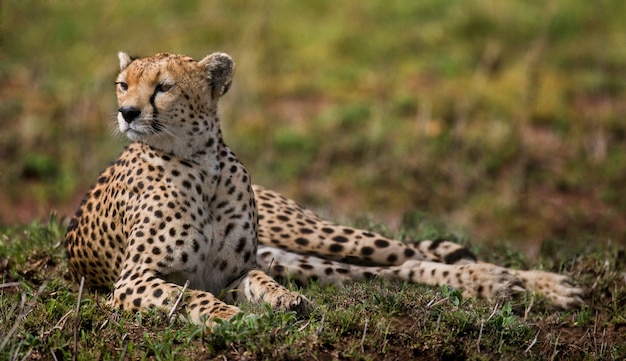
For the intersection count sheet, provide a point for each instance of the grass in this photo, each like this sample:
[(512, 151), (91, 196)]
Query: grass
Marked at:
[(370, 320)]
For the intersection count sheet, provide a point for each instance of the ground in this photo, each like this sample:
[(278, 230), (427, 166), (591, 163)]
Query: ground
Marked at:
[(376, 319)]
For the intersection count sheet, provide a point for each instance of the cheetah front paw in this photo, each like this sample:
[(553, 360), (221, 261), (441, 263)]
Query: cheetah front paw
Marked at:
[(226, 312), (218, 314)]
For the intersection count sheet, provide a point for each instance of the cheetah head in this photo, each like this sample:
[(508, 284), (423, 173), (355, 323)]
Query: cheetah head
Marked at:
[(169, 101)]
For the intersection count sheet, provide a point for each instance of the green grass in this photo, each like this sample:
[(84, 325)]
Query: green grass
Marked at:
[(369, 320)]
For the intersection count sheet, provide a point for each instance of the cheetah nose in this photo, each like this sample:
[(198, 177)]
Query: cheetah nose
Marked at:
[(129, 113)]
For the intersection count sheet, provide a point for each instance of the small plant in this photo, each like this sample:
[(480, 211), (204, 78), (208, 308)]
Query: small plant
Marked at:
[(453, 295), (504, 317), (583, 317)]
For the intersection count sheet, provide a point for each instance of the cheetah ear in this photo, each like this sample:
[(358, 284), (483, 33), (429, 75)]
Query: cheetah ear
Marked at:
[(220, 70), (125, 60)]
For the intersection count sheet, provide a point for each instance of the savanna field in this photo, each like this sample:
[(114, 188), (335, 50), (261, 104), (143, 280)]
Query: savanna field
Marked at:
[(499, 125)]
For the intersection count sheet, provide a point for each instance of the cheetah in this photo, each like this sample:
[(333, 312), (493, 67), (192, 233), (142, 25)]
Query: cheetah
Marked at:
[(175, 222)]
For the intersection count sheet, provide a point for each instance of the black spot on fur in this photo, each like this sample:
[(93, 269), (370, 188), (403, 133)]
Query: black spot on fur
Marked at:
[(367, 251), (458, 255), (336, 248), (302, 241), (435, 244), (381, 243), (340, 239)]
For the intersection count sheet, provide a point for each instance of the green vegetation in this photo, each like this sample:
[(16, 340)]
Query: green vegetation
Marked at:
[(501, 120), (371, 320)]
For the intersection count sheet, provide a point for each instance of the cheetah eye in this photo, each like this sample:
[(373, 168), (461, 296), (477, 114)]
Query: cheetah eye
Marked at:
[(123, 86), (164, 88)]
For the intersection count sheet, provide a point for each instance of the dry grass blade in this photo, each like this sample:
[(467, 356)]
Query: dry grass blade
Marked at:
[(320, 327), (495, 309), (61, 323), (529, 307), (10, 284), (533, 343), (77, 317), (364, 333), (480, 335), (53, 355), (170, 316)]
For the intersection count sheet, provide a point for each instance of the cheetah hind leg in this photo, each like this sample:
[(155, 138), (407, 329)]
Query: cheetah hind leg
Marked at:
[(258, 287), (483, 280), (475, 279)]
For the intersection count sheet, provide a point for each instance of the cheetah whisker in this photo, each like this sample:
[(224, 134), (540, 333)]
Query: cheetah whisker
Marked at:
[(164, 129), (115, 128)]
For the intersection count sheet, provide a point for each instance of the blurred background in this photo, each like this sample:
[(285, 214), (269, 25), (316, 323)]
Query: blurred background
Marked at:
[(499, 119)]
